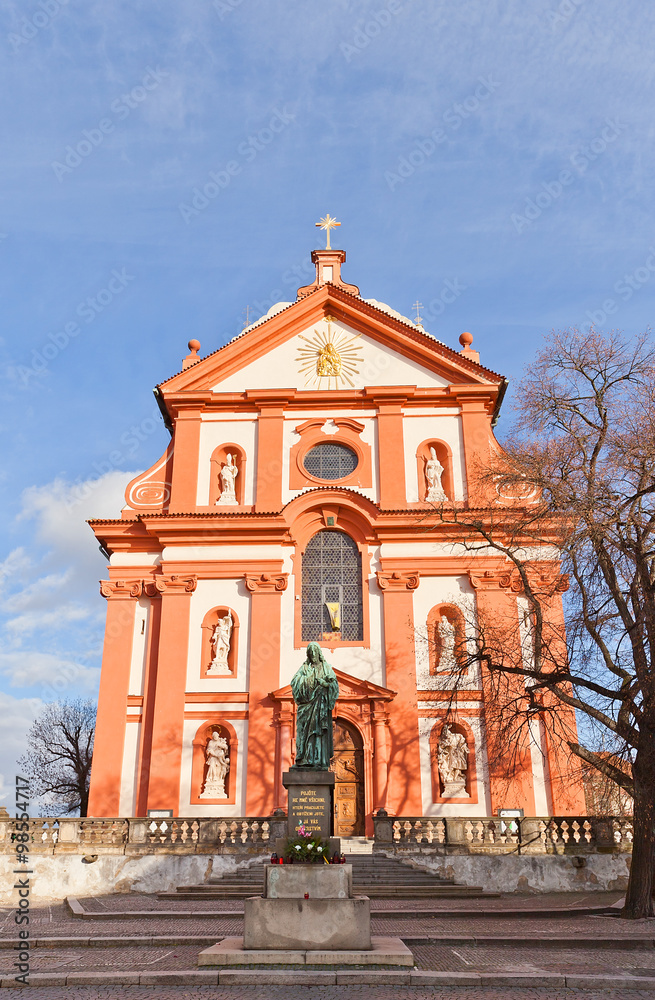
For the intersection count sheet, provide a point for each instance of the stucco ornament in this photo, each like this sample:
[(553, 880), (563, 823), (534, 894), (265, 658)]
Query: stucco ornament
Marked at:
[(218, 764), (315, 691), (452, 758), (433, 473), (447, 660), (220, 643), (227, 476)]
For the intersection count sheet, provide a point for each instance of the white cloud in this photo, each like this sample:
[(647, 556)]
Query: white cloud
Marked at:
[(17, 717), (57, 677)]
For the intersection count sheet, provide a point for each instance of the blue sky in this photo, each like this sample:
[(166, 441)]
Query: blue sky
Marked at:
[(501, 148)]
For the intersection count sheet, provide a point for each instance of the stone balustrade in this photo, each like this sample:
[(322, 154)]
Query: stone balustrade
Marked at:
[(257, 835), (177, 835), (495, 835)]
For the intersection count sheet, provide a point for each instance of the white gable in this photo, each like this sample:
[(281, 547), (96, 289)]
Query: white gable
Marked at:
[(350, 358)]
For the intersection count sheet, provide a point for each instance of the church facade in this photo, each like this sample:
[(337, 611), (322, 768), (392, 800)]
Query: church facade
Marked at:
[(290, 507)]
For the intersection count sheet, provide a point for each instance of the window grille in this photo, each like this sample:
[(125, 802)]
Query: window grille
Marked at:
[(330, 461), (332, 572)]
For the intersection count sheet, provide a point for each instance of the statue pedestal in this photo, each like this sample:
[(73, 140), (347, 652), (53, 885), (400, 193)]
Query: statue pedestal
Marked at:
[(310, 800), (330, 927), (455, 790)]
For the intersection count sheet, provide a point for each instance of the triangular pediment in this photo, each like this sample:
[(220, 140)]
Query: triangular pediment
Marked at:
[(369, 347), (350, 689)]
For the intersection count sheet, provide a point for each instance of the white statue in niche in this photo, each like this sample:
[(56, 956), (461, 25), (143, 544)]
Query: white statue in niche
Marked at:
[(227, 476), (447, 635), (220, 643), (452, 760), (218, 764), (433, 473)]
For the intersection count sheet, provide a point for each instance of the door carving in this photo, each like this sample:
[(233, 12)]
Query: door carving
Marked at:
[(348, 768)]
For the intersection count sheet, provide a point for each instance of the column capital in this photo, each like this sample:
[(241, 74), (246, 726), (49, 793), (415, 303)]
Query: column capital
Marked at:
[(398, 581), (125, 589), (511, 580), (175, 584), (266, 583)]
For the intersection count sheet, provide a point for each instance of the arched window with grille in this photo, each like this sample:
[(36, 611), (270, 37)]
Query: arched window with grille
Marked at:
[(332, 588)]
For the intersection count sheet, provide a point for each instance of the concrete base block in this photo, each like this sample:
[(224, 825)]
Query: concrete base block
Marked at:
[(384, 951), (230, 952), (320, 881), (303, 924)]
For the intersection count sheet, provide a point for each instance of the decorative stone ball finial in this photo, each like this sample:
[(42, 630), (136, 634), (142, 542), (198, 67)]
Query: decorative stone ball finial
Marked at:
[(191, 359), (465, 339)]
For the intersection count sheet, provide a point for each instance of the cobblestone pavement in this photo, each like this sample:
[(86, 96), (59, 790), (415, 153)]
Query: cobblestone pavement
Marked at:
[(55, 920), (436, 957), (315, 993)]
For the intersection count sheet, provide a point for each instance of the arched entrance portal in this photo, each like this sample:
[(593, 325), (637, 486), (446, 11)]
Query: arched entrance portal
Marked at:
[(348, 767)]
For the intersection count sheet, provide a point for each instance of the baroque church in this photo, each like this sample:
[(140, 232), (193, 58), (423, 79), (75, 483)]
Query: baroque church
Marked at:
[(290, 507)]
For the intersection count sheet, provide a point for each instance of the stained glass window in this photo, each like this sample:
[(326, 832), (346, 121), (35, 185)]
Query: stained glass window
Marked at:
[(332, 574)]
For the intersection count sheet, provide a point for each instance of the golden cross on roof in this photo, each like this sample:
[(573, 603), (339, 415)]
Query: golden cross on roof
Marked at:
[(328, 223), (418, 305)]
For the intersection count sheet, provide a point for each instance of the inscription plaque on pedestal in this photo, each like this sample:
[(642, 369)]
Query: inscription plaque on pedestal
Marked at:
[(310, 801)]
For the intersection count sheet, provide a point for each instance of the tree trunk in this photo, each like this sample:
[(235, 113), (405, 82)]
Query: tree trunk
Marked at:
[(639, 895)]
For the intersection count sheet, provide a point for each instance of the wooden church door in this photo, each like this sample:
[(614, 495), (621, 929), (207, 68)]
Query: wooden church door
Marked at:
[(348, 767)]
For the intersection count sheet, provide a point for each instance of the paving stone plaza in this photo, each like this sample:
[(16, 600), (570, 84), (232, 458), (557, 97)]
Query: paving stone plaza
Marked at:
[(135, 946)]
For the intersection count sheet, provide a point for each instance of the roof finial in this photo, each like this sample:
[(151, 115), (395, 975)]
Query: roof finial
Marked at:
[(328, 223), (191, 359), (418, 306)]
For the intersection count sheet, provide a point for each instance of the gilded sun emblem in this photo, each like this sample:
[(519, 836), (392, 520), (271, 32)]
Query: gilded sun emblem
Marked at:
[(331, 355)]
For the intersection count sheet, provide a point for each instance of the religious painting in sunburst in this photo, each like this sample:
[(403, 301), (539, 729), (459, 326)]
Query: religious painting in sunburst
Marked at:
[(330, 359)]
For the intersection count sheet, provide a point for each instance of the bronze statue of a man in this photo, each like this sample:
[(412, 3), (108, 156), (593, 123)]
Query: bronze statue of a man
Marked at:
[(315, 691)]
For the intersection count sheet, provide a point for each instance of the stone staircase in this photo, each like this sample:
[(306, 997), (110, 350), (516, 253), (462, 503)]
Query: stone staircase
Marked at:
[(373, 875), (387, 878)]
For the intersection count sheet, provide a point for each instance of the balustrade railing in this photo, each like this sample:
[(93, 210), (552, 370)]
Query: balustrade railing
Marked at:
[(207, 835), (498, 835), (183, 835)]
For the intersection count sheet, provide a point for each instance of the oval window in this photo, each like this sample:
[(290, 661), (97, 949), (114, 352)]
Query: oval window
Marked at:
[(330, 461)]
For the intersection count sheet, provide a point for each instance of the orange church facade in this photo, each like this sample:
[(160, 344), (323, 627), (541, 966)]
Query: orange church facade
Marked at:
[(291, 507)]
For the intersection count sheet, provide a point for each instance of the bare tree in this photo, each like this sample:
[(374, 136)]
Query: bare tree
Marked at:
[(577, 480), (58, 759)]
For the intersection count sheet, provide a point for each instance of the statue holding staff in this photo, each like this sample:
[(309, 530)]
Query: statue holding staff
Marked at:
[(315, 691)]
